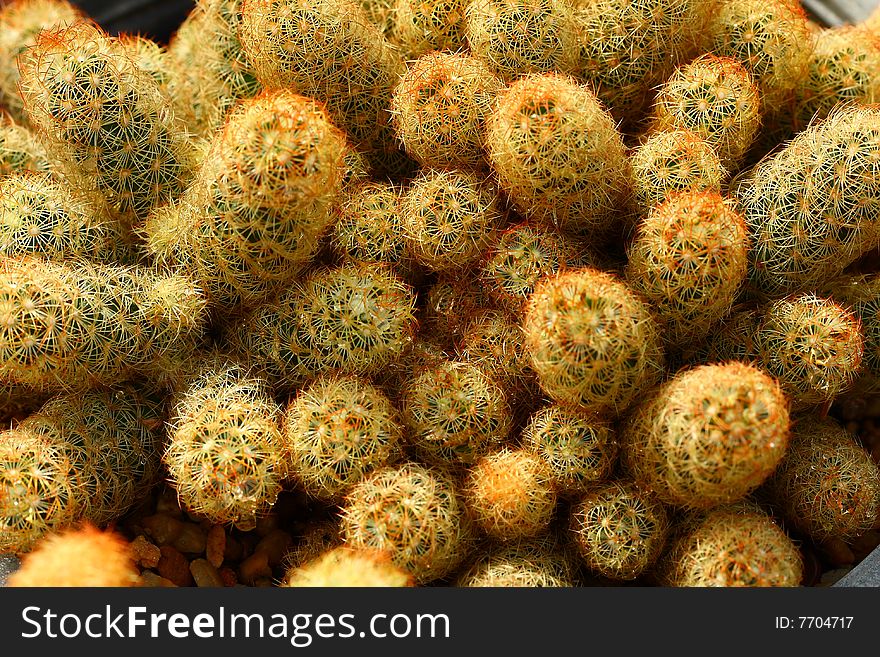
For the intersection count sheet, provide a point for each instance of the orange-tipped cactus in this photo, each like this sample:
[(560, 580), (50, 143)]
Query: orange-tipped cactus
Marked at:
[(412, 512), (709, 436), (20, 150), (527, 563), (593, 343), (558, 154), (422, 26), (689, 259), (77, 558), (345, 567)]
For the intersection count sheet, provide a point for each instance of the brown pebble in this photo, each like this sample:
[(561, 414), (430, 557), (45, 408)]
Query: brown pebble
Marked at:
[(233, 551), (837, 553), (263, 582), (831, 577), (254, 567), (191, 540), (149, 578), (162, 528), (812, 566), (267, 524), (145, 553), (215, 545), (168, 504), (276, 545), (174, 566), (228, 576), (204, 574), (865, 544)]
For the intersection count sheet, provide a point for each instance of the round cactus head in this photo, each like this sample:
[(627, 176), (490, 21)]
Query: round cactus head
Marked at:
[(20, 150), (345, 567), (527, 563)]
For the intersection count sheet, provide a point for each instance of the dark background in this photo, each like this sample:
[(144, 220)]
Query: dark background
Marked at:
[(157, 19)]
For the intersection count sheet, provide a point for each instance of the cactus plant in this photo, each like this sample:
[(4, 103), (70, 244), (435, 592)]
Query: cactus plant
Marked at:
[(226, 456), (580, 450), (861, 295), (455, 412), (20, 150), (105, 120), (414, 513), (709, 436), (812, 345), (806, 225), (592, 341), (78, 557), (732, 545), (558, 154), (689, 259), (449, 218), (619, 529), (827, 486), (343, 566), (439, 109), (422, 26), (339, 429), (716, 98), (528, 563), (674, 161), (448, 306)]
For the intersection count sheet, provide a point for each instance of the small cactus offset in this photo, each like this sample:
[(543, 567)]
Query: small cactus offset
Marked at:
[(78, 557), (338, 430), (558, 154), (455, 412), (260, 202), (517, 37), (449, 304), (580, 450), (827, 486), (689, 259), (422, 26), (439, 109), (674, 161), (861, 295), (226, 456), (813, 346), (593, 343), (709, 436), (20, 23), (104, 119), (716, 98), (732, 545), (343, 566), (626, 48), (805, 226), (619, 529), (20, 150), (449, 218), (414, 513), (526, 563)]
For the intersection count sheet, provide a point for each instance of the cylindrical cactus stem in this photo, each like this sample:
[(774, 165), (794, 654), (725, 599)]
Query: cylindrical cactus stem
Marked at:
[(440, 106), (455, 412), (732, 545), (414, 513), (580, 450), (152, 58), (79, 557), (626, 48), (510, 495), (592, 341), (805, 225), (20, 150), (345, 567), (104, 119), (69, 326), (259, 204), (520, 257), (517, 37), (42, 217), (422, 26), (770, 38), (827, 486), (716, 98), (210, 71), (226, 456), (338, 430), (813, 346), (449, 218), (674, 161), (86, 456), (20, 23), (526, 563), (709, 436), (689, 259), (351, 68), (843, 67), (558, 154), (861, 295), (619, 529)]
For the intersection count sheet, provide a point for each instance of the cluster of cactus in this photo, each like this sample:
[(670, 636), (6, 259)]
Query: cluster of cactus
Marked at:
[(497, 286)]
